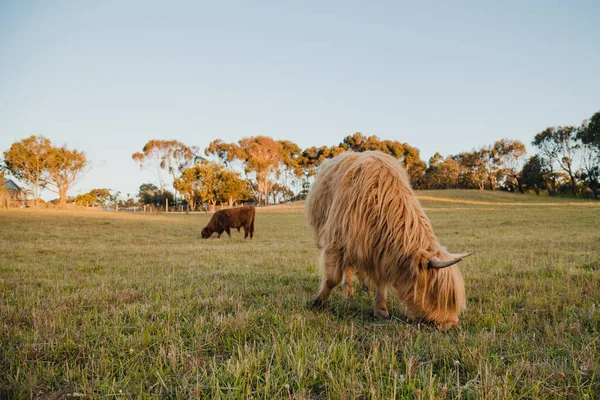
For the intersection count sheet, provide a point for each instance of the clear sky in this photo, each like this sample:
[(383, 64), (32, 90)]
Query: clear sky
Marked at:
[(107, 76)]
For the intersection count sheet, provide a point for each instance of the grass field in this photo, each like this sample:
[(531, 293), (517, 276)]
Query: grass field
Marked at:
[(138, 306)]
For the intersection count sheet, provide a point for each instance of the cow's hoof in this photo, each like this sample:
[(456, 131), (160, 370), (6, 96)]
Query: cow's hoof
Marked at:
[(382, 313), (446, 325), (317, 304), (348, 290)]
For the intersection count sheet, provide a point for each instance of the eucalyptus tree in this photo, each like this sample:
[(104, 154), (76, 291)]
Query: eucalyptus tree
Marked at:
[(559, 145), (64, 168), (171, 156), (27, 160)]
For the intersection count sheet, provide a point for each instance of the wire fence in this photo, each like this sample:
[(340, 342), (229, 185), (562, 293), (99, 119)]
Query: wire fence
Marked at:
[(6, 202)]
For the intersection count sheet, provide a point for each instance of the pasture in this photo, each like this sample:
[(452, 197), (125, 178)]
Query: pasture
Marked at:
[(138, 306)]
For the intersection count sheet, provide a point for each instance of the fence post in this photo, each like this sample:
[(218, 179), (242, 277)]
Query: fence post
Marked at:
[(166, 205)]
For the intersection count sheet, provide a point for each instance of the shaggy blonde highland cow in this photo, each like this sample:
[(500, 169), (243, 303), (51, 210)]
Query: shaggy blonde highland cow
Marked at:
[(367, 219)]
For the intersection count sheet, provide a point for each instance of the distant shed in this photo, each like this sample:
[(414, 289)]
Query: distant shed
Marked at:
[(11, 195)]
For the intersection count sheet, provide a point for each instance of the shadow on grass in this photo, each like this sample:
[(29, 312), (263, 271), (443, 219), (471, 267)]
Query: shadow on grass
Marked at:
[(355, 311)]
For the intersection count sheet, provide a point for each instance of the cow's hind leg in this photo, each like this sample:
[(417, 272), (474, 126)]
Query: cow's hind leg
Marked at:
[(246, 231), (380, 309), (331, 264), (348, 277)]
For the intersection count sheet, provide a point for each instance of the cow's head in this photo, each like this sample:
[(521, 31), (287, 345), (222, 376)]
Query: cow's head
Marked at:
[(206, 232), (439, 290)]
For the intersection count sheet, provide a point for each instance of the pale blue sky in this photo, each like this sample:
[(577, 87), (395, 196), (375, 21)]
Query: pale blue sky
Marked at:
[(106, 76)]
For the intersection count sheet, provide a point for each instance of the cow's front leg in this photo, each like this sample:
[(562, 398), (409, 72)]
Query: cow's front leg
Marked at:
[(380, 309), (228, 231), (348, 284), (331, 264)]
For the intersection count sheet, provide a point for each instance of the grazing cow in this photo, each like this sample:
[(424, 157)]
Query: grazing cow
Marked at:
[(224, 220), (367, 219)]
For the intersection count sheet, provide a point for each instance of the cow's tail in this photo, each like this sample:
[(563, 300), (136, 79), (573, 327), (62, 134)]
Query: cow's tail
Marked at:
[(252, 224)]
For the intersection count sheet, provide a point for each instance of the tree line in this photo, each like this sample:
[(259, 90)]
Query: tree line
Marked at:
[(269, 171)]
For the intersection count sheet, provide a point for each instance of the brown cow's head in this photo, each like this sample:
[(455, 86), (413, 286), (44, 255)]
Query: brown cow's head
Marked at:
[(439, 291), (206, 232)]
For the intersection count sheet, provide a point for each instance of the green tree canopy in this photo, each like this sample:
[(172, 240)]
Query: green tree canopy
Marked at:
[(590, 132), (473, 170), (209, 182), (169, 155), (559, 144), (230, 187), (147, 192), (64, 168), (150, 194), (534, 174), (508, 155), (408, 155), (28, 160), (95, 197), (261, 157), (442, 173)]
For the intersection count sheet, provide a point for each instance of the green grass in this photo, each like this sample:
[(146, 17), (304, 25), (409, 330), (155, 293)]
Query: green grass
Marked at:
[(138, 306)]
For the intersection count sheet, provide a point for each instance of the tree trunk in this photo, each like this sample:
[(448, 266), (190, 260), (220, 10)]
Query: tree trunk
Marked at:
[(36, 194), (63, 198), (594, 190), (552, 188), (573, 184)]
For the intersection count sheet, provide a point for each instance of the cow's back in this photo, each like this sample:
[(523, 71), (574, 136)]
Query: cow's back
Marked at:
[(323, 191), (236, 217), (245, 214), (362, 203)]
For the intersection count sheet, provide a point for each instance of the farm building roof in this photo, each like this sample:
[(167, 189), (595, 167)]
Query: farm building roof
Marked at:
[(10, 184)]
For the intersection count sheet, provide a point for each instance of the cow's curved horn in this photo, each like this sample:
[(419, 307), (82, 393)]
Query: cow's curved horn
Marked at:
[(462, 255), (436, 263)]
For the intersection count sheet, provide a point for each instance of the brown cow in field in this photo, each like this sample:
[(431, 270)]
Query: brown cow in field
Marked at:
[(225, 220), (366, 218)]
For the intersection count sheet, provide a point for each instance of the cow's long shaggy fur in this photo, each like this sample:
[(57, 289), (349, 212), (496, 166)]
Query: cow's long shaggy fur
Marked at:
[(366, 216)]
